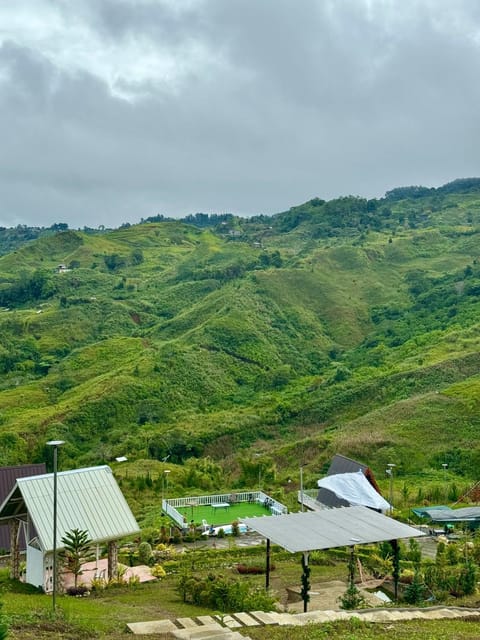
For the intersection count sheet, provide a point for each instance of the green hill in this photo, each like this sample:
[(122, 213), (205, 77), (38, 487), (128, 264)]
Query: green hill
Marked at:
[(349, 326)]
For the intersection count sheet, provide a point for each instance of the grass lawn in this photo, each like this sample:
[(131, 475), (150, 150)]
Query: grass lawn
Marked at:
[(218, 516)]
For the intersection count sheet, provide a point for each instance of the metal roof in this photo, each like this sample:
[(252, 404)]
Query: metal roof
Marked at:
[(87, 499), (445, 514), (330, 528), (342, 464)]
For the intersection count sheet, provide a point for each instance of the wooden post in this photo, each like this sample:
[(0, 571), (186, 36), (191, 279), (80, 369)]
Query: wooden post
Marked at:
[(14, 550), (112, 559)]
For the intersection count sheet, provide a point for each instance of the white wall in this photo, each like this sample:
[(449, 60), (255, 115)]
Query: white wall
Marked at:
[(35, 569)]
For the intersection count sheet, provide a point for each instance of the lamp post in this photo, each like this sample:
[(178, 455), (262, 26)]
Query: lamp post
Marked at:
[(55, 444), (389, 471), (164, 485), (301, 488), (445, 466)]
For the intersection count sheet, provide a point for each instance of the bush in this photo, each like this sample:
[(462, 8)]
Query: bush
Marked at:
[(218, 592), (144, 552), (415, 592), (252, 569), (158, 571), (78, 591), (352, 599)]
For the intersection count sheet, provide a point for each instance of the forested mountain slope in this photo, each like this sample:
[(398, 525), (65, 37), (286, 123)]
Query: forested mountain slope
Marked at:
[(348, 325)]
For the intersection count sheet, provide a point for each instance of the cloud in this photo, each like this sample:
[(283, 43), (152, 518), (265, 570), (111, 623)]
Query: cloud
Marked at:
[(115, 110)]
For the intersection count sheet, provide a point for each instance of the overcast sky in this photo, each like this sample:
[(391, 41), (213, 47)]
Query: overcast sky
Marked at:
[(114, 110)]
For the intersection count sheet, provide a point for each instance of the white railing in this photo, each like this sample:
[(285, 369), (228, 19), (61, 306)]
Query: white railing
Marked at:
[(232, 498), (170, 506)]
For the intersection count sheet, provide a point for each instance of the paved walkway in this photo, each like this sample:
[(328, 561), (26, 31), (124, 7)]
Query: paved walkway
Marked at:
[(227, 627)]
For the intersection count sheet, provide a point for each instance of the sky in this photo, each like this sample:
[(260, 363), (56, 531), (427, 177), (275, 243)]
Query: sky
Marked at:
[(116, 110)]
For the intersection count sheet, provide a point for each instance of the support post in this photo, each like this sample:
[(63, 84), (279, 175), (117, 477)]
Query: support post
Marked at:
[(305, 591), (14, 550), (267, 566), (112, 559), (396, 567)]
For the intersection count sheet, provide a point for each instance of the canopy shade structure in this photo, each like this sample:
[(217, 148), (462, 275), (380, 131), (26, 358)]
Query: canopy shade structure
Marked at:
[(355, 490), (330, 528), (88, 499), (445, 514)]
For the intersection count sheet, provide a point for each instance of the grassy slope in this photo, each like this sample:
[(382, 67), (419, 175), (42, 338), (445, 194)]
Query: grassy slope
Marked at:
[(203, 341)]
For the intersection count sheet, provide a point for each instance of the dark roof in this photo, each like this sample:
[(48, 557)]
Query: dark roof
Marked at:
[(330, 499), (341, 464), (8, 477)]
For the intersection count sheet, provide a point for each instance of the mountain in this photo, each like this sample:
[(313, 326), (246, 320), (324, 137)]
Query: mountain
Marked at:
[(349, 325)]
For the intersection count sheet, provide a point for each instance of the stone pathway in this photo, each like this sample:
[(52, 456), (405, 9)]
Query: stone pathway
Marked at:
[(226, 627)]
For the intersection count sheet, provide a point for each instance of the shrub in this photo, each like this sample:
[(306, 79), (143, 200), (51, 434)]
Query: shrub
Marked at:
[(98, 584), (218, 592), (252, 569), (158, 571), (406, 577), (352, 598), (415, 592), (80, 590), (144, 552)]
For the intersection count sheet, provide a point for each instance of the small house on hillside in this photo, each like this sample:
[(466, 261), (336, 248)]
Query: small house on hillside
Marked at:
[(350, 483), (8, 477), (87, 499)]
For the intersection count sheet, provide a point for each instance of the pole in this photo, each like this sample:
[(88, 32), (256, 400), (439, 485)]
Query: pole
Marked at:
[(301, 488), (390, 466), (55, 453), (445, 465), (55, 444), (165, 487), (267, 566)]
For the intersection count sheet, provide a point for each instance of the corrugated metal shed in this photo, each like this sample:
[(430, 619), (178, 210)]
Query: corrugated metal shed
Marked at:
[(445, 514), (87, 499), (330, 528), (8, 477)]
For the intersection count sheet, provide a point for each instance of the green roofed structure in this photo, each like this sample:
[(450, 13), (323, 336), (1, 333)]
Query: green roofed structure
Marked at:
[(87, 499), (445, 515)]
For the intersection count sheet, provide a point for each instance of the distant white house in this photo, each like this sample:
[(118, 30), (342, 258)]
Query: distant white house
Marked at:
[(87, 499)]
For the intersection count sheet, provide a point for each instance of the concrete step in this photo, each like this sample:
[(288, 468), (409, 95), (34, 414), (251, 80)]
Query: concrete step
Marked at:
[(223, 627), (186, 623), (246, 619), (228, 621), (204, 632), (151, 627), (264, 617)]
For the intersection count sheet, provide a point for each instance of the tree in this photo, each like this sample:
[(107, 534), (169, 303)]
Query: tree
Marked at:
[(136, 257), (76, 546)]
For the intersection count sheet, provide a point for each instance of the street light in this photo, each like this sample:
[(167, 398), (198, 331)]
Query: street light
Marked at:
[(55, 444), (301, 487), (164, 485), (389, 471)]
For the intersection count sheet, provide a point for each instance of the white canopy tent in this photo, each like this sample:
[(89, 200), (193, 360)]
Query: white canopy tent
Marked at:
[(355, 489)]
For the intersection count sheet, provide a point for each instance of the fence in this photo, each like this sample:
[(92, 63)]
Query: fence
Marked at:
[(170, 506)]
